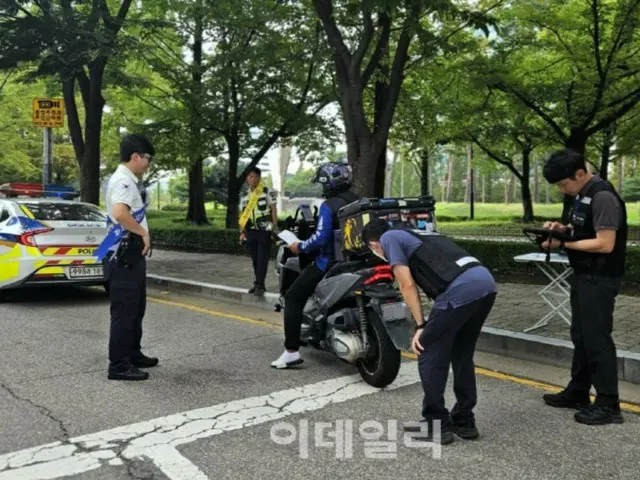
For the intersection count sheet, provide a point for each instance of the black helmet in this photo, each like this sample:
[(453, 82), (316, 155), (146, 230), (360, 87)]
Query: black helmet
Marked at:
[(334, 177)]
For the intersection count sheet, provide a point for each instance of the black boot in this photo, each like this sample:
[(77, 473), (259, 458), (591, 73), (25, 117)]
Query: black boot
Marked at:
[(566, 399), (599, 415)]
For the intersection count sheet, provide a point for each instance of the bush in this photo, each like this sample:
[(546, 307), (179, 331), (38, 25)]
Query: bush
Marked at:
[(174, 208)]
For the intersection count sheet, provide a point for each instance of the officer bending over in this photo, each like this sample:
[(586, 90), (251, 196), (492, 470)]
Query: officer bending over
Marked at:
[(124, 249), (335, 180), (464, 292), (599, 223)]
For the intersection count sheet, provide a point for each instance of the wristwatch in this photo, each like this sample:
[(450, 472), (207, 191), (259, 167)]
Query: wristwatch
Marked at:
[(418, 327)]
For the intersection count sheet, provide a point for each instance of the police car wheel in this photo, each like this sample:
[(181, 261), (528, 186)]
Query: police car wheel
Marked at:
[(381, 365)]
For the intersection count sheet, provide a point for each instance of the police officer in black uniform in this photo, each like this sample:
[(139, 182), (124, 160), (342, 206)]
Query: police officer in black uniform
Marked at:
[(464, 292), (598, 221)]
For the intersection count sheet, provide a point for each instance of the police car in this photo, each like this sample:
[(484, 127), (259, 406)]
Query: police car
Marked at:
[(48, 238)]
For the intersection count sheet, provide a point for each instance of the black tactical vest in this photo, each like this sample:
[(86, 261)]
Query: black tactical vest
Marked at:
[(605, 264), (338, 201), (437, 262)]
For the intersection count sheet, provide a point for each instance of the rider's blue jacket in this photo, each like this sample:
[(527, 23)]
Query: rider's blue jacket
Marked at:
[(321, 242)]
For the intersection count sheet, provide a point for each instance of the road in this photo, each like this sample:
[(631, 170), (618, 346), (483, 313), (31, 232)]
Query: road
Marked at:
[(214, 408)]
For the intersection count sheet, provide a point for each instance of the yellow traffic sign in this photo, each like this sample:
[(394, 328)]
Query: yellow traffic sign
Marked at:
[(48, 112)]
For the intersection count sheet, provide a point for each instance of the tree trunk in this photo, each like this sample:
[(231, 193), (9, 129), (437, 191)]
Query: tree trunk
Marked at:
[(536, 182), (389, 183), (424, 173), (235, 182), (90, 165), (577, 141), (484, 189), (547, 193), (620, 173), (527, 204), (607, 142), (451, 162), (507, 183), (196, 212), (467, 189)]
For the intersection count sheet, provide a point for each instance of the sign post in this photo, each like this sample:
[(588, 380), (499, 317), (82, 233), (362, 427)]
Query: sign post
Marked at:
[(47, 113)]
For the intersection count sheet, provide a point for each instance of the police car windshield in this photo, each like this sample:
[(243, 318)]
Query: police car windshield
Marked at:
[(52, 211)]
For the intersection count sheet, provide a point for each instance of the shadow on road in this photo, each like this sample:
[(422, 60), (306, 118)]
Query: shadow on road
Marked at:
[(63, 295)]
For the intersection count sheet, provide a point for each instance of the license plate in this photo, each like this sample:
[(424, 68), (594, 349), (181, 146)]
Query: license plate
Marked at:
[(395, 311), (82, 272)]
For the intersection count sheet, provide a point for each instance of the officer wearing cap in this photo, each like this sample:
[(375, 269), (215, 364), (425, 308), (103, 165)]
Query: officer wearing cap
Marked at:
[(123, 253), (598, 221)]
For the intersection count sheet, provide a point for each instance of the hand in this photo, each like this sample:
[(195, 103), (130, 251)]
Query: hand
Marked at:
[(295, 248), (555, 226), (243, 237), (415, 343), (553, 244), (147, 244)]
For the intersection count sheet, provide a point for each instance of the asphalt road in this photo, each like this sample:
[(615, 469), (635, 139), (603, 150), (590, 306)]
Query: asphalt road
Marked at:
[(215, 409)]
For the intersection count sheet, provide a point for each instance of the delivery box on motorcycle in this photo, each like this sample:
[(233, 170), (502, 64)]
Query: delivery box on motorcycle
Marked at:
[(417, 212)]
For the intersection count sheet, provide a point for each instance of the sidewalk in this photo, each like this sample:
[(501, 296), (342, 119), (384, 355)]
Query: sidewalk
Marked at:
[(518, 306)]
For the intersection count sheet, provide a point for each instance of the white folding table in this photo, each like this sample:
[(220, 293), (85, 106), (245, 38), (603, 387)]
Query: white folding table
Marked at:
[(557, 293)]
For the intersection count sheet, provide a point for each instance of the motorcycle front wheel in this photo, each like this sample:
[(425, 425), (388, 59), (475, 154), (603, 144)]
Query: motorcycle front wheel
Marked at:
[(381, 364)]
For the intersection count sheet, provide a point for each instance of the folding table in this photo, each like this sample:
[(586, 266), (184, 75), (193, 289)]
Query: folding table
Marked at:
[(556, 294)]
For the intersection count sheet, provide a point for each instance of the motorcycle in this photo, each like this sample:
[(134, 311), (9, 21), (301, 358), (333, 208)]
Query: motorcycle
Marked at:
[(355, 312)]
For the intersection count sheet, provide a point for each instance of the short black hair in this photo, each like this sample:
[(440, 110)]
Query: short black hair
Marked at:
[(255, 170), (373, 230), (135, 143), (563, 164)]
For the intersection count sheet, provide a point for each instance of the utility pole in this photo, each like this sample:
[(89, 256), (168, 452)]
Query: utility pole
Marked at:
[(47, 156)]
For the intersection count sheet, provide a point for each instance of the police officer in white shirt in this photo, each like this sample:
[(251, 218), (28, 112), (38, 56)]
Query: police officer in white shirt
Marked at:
[(124, 249)]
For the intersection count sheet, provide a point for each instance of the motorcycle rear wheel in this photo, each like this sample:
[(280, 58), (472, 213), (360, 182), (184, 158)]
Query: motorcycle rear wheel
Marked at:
[(381, 365)]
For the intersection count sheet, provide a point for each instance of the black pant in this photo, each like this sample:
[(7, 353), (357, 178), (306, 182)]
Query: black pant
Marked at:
[(259, 246), (128, 291), (295, 299), (450, 337), (594, 356)]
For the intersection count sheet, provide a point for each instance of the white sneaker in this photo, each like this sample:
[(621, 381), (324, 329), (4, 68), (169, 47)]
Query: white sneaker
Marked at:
[(287, 359)]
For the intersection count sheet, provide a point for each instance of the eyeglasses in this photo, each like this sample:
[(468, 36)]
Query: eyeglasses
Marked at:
[(146, 155)]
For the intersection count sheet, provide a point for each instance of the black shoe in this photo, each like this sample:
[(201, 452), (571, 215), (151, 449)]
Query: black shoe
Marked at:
[(259, 291), (426, 434), (466, 430), (252, 290), (599, 415), (564, 399), (132, 374), (144, 362)]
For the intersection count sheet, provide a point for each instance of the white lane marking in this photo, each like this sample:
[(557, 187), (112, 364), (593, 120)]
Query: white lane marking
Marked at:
[(156, 439)]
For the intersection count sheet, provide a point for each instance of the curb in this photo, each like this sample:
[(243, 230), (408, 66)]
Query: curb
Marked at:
[(523, 346)]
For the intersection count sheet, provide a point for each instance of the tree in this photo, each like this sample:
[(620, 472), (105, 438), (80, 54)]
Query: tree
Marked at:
[(574, 63), (378, 60), (264, 79)]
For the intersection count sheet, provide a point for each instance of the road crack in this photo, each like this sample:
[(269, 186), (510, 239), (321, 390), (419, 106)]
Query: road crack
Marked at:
[(43, 410)]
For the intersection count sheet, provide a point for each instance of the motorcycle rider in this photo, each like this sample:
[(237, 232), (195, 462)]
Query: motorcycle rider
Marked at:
[(464, 292), (335, 179)]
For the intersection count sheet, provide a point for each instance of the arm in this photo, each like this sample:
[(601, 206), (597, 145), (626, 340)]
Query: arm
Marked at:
[(122, 215), (409, 292), (323, 233), (603, 243)]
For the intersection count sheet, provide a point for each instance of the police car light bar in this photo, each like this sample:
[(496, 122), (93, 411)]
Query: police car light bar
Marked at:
[(37, 190)]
